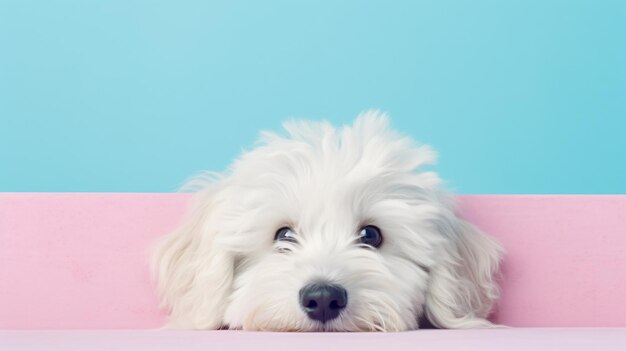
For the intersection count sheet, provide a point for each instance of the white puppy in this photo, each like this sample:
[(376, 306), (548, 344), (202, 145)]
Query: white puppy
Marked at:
[(327, 229)]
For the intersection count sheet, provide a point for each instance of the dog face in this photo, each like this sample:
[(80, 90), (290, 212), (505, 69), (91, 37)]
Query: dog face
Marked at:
[(327, 230)]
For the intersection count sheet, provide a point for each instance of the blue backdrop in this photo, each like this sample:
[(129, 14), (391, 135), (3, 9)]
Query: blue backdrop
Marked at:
[(122, 95)]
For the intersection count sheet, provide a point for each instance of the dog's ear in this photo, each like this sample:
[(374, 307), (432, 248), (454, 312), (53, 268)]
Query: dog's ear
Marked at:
[(462, 289), (193, 273)]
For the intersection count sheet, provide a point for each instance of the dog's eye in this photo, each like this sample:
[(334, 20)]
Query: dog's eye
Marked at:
[(285, 233), (370, 235)]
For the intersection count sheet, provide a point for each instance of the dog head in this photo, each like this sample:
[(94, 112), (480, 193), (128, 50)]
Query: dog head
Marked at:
[(327, 229)]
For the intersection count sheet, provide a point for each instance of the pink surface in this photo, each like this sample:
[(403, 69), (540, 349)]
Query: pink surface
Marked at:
[(604, 339), (79, 260)]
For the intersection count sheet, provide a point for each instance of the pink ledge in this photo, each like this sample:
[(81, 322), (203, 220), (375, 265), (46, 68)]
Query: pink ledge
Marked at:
[(518, 339), (79, 260)]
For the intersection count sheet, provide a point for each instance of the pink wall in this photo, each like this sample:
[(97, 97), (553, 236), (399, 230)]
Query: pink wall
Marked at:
[(78, 260)]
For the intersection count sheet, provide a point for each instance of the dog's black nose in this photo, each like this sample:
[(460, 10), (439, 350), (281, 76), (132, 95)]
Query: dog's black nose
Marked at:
[(323, 302)]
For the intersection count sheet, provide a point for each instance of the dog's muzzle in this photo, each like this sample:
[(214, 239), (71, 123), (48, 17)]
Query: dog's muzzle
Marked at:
[(322, 301)]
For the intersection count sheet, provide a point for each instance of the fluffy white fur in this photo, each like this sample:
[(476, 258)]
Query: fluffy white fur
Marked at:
[(222, 269)]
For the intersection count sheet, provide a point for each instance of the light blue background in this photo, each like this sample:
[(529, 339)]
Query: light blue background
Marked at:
[(121, 95)]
